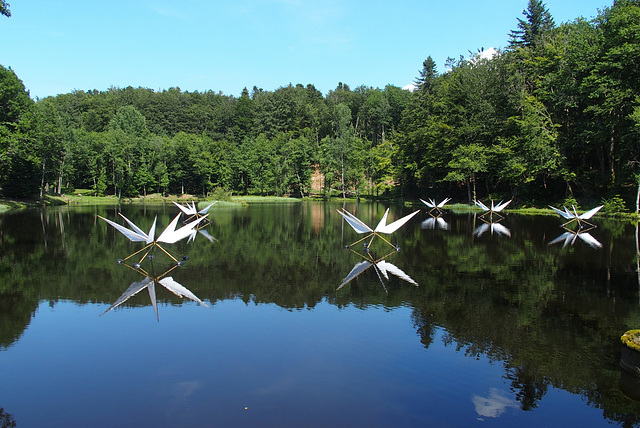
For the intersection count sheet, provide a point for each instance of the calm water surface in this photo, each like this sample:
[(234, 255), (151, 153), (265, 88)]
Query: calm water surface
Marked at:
[(503, 328)]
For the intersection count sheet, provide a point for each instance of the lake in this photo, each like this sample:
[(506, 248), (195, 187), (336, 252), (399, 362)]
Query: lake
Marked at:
[(466, 323)]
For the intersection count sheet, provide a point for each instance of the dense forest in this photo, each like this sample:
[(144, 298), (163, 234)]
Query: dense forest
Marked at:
[(551, 118)]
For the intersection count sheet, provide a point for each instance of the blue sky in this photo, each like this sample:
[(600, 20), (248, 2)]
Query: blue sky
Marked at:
[(57, 46)]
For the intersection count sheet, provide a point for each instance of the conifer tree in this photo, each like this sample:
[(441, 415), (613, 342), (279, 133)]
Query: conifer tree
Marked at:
[(538, 21)]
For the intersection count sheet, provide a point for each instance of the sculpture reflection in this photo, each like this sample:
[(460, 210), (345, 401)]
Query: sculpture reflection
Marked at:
[(381, 267), (570, 237), (149, 282), (434, 222), (494, 226)]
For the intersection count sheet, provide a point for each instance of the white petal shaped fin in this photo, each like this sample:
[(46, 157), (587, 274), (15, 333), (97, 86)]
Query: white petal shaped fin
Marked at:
[(179, 290), (441, 204), (501, 206), (206, 210), (500, 229), (133, 236), (355, 222), (590, 240), (383, 222), (385, 267), (170, 235), (392, 227), (133, 289), (430, 204), (565, 214), (357, 270), (188, 210), (590, 213), (481, 205)]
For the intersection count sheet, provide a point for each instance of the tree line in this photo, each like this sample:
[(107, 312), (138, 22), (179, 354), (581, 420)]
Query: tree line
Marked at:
[(553, 117)]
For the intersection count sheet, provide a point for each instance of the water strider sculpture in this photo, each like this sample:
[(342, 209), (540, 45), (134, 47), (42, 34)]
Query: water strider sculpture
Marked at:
[(432, 204), (380, 266), (360, 227), (570, 237), (495, 209), (191, 211), (149, 283), (573, 216), (169, 236)]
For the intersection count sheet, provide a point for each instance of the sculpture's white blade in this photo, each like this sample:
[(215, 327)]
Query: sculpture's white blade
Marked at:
[(355, 222), (390, 228), (481, 205), (566, 237), (357, 270), (501, 206), (590, 213), (500, 229), (481, 229), (133, 226), (566, 214), (133, 289), (442, 223), (385, 267), (152, 296), (441, 204), (429, 223), (207, 235), (187, 210), (133, 236), (152, 232), (170, 235), (574, 211), (179, 290), (593, 242), (383, 222), (429, 204), (206, 210)]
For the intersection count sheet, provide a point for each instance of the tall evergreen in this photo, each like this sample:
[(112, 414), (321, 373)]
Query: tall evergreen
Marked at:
[(427, 75), (538, 21)]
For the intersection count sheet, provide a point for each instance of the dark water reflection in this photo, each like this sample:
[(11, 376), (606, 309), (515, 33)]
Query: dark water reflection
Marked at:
[(502, 328)]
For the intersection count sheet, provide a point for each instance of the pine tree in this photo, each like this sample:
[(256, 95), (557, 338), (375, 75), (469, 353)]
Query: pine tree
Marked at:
[(427, 75), (538, 21)]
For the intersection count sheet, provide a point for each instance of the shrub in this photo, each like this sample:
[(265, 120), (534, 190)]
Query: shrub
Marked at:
[(614, 205)]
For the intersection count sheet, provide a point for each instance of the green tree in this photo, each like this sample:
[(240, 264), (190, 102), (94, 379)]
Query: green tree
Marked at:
[(342, 155), (4, 8), (427, 75), (537, 22), (17, 159), (466, 163)]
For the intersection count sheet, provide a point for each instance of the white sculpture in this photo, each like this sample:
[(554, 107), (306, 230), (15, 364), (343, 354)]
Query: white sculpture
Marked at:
[(432, 204), (573, 216), (360, 227), (170, 235)]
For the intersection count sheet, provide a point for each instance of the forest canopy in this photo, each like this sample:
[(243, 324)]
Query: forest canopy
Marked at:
[(554, 116)]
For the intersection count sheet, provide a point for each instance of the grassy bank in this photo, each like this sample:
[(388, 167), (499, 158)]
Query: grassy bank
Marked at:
[(84, 198)]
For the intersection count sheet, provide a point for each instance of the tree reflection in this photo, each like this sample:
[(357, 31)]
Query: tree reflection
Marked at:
[(6, 419), (529, 389)]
